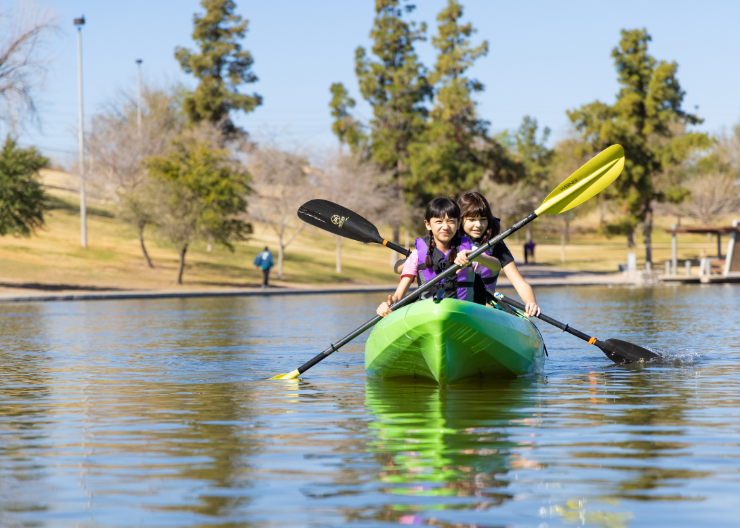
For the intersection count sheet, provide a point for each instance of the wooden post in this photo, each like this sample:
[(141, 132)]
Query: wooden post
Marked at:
[(674, 251), (338, 267), (732, 259), (719, 245)]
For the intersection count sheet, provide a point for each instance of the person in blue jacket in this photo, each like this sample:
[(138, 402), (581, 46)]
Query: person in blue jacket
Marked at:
[(265, 262)]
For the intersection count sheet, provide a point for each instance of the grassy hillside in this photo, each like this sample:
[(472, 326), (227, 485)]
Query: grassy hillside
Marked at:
[(54, 260)]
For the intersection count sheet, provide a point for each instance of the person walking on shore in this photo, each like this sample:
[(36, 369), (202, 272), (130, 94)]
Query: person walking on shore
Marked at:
[(265, 262), (529, 251)]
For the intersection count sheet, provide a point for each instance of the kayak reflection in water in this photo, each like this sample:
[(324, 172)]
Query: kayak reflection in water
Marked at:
[(443, 247), (457, 445)]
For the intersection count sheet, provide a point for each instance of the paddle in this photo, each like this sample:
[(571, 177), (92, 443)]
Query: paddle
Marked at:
[(346, 223), (615, 349), (583, 184), (341, 221)]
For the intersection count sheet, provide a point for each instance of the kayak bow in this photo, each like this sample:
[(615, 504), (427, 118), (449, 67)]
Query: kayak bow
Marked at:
[(453, 340)]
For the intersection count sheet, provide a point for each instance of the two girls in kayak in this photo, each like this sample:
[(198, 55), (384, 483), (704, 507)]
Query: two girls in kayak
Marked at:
[(445, 245)]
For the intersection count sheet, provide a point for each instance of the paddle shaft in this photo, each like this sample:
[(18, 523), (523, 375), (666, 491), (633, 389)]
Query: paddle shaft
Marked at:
[(414, 294), (563, 326), (396, 247)]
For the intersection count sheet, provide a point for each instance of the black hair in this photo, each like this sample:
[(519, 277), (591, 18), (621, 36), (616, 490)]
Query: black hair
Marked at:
[(442, 208)]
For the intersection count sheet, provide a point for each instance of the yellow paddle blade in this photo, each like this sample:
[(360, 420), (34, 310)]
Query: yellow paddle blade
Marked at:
[(290, 375), (586, 182)]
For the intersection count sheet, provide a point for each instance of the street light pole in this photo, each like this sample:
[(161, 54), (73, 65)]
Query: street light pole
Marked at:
[(79, 22), (138, 115)]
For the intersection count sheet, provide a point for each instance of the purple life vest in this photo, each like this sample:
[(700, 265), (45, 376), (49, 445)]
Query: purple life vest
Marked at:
[(455, 287), (489, 277)]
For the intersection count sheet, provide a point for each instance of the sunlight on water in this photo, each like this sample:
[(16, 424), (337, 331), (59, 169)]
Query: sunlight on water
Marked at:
[(158, 413)]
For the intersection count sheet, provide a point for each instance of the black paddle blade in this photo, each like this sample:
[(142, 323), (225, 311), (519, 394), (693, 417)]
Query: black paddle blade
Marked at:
[(623, 352), (338, 220)]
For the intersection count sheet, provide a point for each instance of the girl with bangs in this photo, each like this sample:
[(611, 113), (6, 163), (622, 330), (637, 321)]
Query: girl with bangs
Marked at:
[(480, 225)]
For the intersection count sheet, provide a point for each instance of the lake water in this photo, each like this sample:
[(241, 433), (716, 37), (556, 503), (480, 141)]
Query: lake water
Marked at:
[(157, 413)]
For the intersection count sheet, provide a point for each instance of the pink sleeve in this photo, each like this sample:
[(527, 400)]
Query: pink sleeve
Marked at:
[(411, 267)]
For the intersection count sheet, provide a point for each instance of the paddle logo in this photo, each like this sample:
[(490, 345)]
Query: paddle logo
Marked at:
[(569, 184), (339, 220)]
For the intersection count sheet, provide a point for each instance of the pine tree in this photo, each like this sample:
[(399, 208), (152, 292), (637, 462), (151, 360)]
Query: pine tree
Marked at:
[(395, 85), (534, 155), (452, 155), (22, 199), (220, 67), (535, 163), (456, 151), (644, 120), (345, 127)]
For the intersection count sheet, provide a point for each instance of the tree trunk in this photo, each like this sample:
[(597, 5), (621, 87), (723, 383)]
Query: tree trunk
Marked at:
[(647, 230), (182, 264), (567, 230), (601, 211), (339, 254), (563, 236), (529, 232), (562, 248), (401, 203), (143, 247), (631, 240), (281, 249), (396, 238)]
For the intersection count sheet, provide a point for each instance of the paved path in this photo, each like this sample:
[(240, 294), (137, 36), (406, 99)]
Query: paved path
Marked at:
[(537, 276), (546, 276), (174, 294)]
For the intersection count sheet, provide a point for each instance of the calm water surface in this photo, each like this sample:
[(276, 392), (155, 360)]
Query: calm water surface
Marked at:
[(156, 413)]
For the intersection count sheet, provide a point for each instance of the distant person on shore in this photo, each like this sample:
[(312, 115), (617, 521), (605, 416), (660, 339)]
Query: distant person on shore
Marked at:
[(529, 250), (265, 262)]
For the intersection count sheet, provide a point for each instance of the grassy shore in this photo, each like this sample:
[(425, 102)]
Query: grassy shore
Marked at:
[(53, 259)]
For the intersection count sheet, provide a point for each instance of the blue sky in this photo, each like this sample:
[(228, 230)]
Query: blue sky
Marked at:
[(545, 57)]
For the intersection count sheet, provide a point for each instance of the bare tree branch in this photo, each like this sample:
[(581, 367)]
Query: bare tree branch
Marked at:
[(357, 184), (282, 182), (24, 32), (712, 198)]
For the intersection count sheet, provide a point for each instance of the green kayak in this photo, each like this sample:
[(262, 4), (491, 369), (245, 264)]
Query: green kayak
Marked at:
[(453, 340)]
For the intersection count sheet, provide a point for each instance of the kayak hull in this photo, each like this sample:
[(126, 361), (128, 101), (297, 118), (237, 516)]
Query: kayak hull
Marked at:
[(453, 340)]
